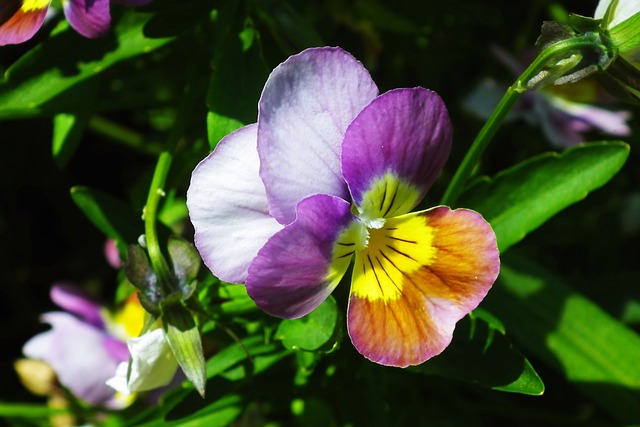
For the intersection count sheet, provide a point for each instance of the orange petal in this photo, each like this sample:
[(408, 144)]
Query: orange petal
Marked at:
[(24, 23), (419, 275)]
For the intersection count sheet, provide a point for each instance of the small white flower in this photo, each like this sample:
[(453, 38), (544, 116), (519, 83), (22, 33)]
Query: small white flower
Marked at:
[(152, 364)]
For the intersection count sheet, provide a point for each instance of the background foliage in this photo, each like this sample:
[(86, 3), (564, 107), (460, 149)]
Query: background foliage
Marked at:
[(82, 122)]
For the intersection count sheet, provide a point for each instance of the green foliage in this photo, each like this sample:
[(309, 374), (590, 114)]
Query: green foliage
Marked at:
[(52, 78), (520, 199), (557, 324), (555, 342), (317, 331), (111, 216), (482, 354)]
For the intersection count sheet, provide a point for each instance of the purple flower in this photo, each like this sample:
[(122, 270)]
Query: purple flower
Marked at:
[(85, 345), (562, 116), (21, 19), (328, 176)]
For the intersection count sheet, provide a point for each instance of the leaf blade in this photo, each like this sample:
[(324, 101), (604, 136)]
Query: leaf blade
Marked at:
[(522, 198)]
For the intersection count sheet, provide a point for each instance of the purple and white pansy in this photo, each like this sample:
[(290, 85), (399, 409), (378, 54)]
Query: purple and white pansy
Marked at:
[(328, 177)]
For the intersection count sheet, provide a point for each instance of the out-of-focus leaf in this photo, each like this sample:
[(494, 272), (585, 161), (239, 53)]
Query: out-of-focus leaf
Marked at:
[(25, 410), (317, 331), (287, 27), (65, 64), (174, 210), (312, 413), (239, 301), (172, 18), (598, 354), (384, 16), (237, 76), (234, 354), (67, 132), (481, 354), (112, 216), (217, 414), (520, 199)]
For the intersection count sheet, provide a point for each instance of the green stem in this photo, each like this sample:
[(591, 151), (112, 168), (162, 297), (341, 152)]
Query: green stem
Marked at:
[(156, 190), (471, 159)]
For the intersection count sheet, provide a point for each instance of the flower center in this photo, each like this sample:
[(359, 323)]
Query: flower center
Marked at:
[(393, 252), (388, 196)]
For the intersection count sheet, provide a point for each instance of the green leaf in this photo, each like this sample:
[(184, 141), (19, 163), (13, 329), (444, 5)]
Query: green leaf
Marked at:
[(520, 199), (25, 410), (67, 132), (552, 321), (236, 299), (482, 354), (291, 31), (184, 339), (217, 414), (625, 36), (112, 216), (35, 84), (317, 331), (236, 353)]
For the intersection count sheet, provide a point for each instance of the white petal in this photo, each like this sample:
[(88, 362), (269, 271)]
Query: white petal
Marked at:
[(228, 206), (625, 10), (153, 364)]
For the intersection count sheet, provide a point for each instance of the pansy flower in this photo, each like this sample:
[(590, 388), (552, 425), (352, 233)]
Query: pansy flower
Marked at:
[(86, 343), (21, 19), (327, 178), (564, 113)]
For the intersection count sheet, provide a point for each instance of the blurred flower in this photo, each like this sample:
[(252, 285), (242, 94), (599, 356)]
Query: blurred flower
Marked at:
[(153, 365), (331, 172), (86, 343), (111, 254), (21, 19), (563, 113)]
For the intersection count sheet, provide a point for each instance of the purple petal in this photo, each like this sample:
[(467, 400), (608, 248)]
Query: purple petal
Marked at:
[(299, 267), (228, 206), (91, 18), (116, 349), (405, 133), (22, 24), (305, 108), (75, 300), (75, 350)]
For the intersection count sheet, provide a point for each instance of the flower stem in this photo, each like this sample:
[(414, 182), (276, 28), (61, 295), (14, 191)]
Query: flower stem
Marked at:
[(558, 50), (156, 190)]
